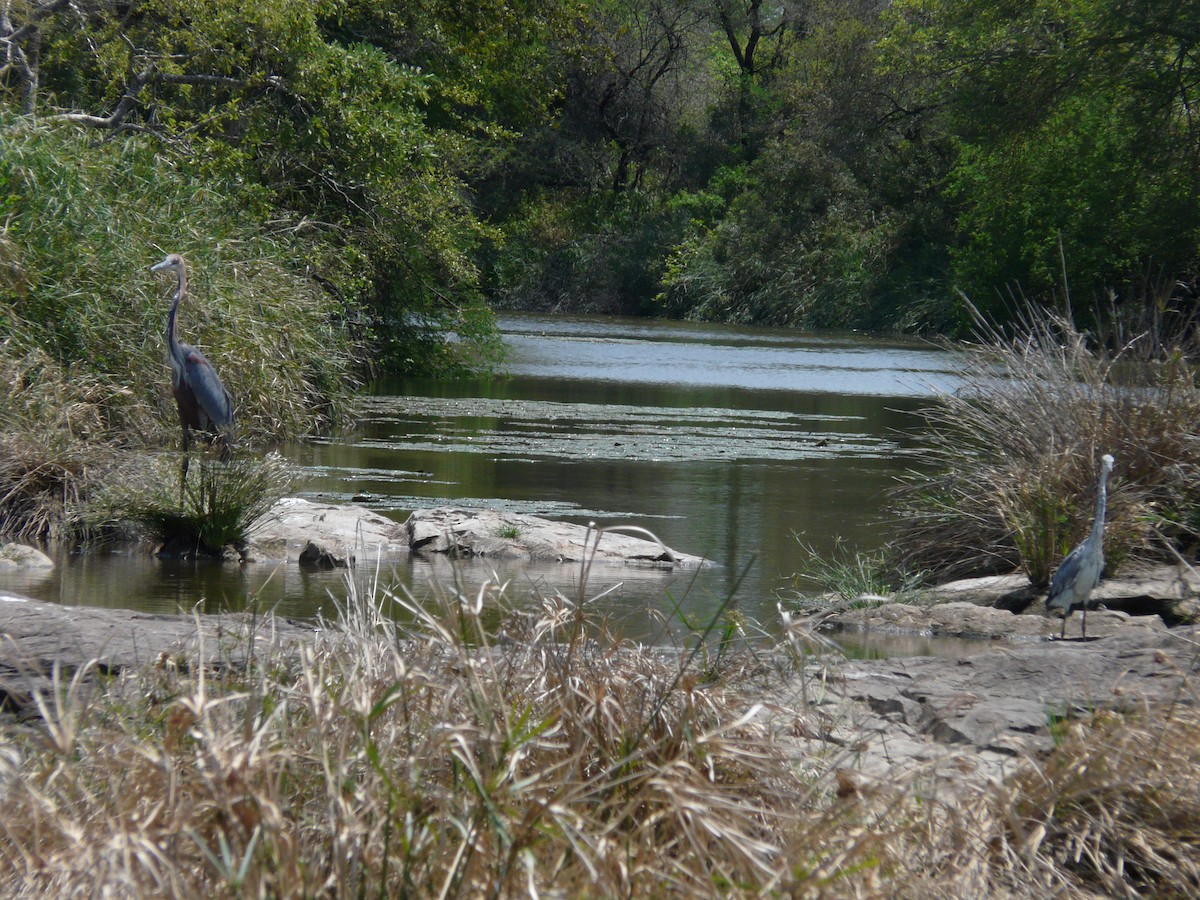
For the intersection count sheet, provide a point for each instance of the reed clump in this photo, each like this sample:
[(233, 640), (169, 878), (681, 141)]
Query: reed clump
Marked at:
[(407, 751), (82, 319), (1015, 452), (215, 507), (86, 221), (54, 447)]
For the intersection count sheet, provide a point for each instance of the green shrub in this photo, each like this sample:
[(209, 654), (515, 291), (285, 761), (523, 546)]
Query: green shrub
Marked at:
[(84, 222), (847, 578), (804, 245)]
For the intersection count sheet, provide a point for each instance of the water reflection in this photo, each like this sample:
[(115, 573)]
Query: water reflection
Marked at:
[(726, 442), (666, 353), (687, 430)]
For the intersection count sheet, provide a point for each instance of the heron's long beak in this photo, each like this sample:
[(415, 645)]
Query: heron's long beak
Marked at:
[(161, 265)]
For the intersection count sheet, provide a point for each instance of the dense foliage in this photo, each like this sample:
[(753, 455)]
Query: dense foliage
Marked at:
[(827, 163), (852, 163)]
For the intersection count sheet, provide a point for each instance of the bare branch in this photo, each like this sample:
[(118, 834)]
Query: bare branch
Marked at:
[(123, 108), (21, 46)]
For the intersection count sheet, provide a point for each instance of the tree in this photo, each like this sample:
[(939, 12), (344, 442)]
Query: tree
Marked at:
[(750, 26), (1076, 136), (332, 136)]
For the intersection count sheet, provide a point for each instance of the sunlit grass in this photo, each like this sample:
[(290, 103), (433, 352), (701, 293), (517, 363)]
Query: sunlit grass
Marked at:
[(436, 759), (846, 577), (214, 507)]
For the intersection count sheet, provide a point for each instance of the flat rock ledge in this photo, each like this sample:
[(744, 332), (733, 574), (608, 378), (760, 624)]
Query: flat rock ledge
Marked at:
[(506, 535), (966, 620), (323, 535), (1008, 607), (36, 638), (940, 726), (327, 535), (966, 722)]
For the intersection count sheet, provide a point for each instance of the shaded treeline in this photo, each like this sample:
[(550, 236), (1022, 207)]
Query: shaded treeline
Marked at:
[(826, 163)]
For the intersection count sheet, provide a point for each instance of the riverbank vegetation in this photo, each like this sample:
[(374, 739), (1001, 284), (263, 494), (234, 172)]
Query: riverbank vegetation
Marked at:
[(833, 163), (83, 346), (358, 184), (389, 759), (1017, 450)]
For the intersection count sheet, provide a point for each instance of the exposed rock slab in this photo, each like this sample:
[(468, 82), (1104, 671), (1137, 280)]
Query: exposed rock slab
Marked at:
[(507, 535), (36, 637), (962, 619), (985, 607), (324, 535), (957, 724), (1159, 582), (1003, 700), (331, 535), (22, 556), (1003, 591)]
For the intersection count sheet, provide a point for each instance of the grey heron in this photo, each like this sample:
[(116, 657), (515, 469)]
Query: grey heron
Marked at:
[(1079, 572)]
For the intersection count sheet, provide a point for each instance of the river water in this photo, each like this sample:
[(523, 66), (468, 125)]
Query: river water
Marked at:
[(743, 445)]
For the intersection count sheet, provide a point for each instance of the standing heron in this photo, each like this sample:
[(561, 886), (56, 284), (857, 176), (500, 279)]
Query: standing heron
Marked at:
[(1079, 573), (203, 402)]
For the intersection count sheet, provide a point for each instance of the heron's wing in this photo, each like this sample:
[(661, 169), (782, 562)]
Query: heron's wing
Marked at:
[(1066, 571), (210, 393)]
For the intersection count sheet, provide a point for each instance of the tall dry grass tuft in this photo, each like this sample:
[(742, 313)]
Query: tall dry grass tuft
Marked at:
[(388, 762), (408, 751), (217, 507), (1016, 453), (1115, 811), (54, 444)]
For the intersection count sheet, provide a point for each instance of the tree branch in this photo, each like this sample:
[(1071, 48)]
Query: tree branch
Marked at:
[(123, 108)]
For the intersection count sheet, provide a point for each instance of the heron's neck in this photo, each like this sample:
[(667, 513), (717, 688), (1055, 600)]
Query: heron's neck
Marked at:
[(172, 341), (1101, 502)]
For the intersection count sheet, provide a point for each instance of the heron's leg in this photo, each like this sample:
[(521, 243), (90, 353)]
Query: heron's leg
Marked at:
[(183, 466), (1063, 635), (1083, 627)]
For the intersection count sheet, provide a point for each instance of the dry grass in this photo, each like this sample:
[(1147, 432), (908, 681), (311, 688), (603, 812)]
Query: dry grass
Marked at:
[(382, 763), (1016, 453), (55, 441), (428, 759), (1115, 810)]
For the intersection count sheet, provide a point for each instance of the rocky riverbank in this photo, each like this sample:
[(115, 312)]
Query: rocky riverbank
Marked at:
[(966, 718), (1009, 608), (973, 719), (959, 720)]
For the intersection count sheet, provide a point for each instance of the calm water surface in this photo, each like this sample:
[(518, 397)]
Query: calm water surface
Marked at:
[(733, 443)]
